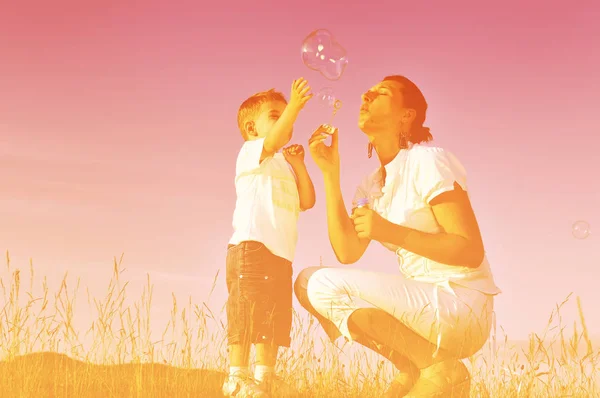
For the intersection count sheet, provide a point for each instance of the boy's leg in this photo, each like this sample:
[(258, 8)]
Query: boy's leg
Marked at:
[(273, 318), (239, 322), (237, 317), (239, 356), (266, 359), (266, 354)]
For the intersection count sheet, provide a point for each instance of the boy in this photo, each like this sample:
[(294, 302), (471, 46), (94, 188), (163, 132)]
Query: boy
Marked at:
[(272, 188)]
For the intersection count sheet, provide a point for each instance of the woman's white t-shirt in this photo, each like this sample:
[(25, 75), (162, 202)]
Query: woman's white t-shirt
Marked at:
[(413, 178)]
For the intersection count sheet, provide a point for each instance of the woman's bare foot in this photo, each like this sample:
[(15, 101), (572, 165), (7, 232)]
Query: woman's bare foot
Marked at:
[(398, 388), (444, 379), (403, 382)]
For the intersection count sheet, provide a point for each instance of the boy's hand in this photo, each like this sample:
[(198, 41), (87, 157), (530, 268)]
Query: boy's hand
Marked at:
[(299, 95), (294, 154)]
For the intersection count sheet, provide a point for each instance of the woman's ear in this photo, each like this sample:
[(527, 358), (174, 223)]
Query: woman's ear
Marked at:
[(409, 115)]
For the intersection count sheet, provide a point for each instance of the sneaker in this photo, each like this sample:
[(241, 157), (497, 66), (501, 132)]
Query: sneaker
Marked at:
[(267, 383), (242, 387)]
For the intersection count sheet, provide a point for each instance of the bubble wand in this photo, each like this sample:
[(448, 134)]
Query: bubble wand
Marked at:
[(336, 107)]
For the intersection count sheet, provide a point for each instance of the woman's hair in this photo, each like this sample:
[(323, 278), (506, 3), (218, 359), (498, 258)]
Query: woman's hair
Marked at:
[(414, 99)]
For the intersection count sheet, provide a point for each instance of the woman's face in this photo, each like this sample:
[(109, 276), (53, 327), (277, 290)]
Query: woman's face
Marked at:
[(381, 107)]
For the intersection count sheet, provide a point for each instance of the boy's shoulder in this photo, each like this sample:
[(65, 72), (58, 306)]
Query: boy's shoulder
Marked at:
[(248, 161), (249, 145)]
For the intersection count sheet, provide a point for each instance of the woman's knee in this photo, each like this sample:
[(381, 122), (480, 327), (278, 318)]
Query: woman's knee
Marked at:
[(301, 286)]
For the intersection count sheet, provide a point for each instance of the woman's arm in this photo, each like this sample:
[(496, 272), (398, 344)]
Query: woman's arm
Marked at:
[(459, 244), (346, 244)]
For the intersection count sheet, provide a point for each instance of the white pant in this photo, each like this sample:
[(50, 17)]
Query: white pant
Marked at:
[(453, 317)]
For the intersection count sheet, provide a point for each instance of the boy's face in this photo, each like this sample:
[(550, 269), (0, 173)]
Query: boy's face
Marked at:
[(267, 116)]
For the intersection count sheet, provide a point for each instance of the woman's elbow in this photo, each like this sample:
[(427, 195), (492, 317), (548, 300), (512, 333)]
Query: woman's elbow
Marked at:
[(345, 258), (474, 255), (307, 205)]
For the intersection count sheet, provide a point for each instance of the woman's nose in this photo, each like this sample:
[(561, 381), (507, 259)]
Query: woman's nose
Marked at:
[(366, 97)]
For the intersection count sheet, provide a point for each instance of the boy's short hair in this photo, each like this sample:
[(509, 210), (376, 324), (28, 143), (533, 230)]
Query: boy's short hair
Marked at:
[(251, 107)]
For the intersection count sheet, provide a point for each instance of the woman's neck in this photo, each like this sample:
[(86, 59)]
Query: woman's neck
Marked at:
[(387, 148)]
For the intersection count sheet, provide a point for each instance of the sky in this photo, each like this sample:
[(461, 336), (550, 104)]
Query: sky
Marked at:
[(118, 134)]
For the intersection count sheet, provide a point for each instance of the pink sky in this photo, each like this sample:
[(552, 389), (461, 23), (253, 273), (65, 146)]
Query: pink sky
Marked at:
[(118, 133)]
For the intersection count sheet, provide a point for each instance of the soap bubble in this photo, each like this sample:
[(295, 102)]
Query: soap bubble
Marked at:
[(322, 53), (326, 97), (581, 229)]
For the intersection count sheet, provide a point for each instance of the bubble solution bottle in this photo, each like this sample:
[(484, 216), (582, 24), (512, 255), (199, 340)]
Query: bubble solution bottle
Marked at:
[(364, 202)]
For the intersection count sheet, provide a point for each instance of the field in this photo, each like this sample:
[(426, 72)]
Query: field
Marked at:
[(44, 356)]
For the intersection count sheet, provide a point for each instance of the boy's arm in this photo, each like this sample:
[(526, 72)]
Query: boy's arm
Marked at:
[(306, 189), (281, 132)]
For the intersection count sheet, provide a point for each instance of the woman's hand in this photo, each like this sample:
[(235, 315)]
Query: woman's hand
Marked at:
[(326, 157), (368, 224)]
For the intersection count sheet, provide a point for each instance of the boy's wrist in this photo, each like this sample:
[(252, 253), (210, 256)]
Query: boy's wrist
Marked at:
[(298, 164), (293, 108)]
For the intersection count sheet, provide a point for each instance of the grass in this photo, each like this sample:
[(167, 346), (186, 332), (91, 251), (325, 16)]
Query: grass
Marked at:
[(44, 356)]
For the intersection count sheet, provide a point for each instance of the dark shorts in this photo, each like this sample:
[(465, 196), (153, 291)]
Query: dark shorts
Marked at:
[(259, 307)]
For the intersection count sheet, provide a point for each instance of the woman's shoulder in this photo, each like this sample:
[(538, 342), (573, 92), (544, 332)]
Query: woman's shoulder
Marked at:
[(426, 150), (434, 161), (430, 153)]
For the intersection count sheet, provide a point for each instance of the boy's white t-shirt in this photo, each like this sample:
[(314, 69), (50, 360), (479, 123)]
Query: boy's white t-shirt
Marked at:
[(267, 205), (413, 178)]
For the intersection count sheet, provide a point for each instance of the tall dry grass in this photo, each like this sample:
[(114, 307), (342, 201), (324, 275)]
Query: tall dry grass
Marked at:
[(118, 356)]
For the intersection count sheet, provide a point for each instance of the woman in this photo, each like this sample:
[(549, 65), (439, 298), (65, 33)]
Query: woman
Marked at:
[(438, 308)]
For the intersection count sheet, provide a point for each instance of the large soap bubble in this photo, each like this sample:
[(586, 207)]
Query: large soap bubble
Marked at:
[(322, 53)]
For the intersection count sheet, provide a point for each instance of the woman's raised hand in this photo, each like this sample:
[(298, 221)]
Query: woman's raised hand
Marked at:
[(326, 157)]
